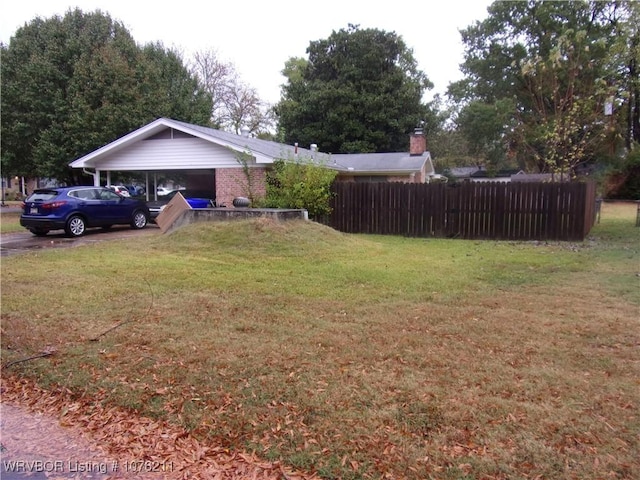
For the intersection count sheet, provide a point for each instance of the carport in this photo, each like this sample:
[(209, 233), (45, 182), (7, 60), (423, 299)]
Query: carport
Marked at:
[(207, 159)]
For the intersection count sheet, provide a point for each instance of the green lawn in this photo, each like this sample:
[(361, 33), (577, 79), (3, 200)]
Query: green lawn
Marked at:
[(353, 356), (10, 221)]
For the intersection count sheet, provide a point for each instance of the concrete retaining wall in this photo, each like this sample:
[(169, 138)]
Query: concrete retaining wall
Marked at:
[(195, 215)]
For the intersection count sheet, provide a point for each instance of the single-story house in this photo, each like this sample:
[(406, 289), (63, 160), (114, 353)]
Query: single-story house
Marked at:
[(534, 177), (218, 161), (480, 174)]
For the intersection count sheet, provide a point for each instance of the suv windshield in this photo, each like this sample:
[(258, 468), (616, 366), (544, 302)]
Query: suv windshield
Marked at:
[(42, 196)]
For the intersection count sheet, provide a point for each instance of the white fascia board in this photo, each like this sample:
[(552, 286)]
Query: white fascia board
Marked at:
[(384, 172), (377, 171), (363, 171), (262, 158), (258, 157), (429, 162)]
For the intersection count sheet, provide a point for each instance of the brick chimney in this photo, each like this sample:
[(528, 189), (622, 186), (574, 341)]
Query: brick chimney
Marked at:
[(417, 142)]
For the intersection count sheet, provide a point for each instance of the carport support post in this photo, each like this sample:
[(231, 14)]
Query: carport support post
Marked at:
[(155, 186)]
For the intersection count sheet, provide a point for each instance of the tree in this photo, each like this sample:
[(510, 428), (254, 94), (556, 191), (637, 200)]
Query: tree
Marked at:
[(73, 84), (235, 104), (624, 70), (483, 125), (549, 60), (171, 90), (563, 126), (359, 91), (244, 109), (215, 75)]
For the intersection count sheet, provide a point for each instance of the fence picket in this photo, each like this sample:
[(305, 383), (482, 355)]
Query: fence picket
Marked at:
[(492, 210)]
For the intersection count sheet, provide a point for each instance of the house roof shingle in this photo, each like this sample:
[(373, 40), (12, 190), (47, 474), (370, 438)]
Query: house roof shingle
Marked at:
[(267, 151)]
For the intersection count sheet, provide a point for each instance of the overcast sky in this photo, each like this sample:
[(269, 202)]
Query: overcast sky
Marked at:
[(259, 36)]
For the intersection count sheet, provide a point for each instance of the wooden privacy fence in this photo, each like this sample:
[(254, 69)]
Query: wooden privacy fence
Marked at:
[(488, 210)]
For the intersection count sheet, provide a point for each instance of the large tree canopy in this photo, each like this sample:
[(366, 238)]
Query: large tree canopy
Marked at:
[(73, 84), (359, 91), (552, 62)]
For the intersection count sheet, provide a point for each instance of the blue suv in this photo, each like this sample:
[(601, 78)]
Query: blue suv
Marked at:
[(74, 209)]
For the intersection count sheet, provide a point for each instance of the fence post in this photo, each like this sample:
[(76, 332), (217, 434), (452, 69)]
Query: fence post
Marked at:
[(598, 208)]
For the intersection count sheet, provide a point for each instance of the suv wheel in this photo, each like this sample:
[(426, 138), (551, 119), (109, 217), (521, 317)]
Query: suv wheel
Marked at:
[(139, 219), (75, 226)]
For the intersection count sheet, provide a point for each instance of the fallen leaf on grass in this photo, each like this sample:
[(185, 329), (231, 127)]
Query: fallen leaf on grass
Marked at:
[(124, 436)]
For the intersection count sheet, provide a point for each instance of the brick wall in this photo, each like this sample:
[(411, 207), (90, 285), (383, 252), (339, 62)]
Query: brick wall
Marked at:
[(417, 142), (232, 182)]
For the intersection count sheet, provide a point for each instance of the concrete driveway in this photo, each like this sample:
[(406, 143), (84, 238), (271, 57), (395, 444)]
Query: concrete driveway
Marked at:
[(22, 242)]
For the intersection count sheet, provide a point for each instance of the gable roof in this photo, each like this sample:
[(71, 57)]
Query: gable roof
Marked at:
[(266, 151)]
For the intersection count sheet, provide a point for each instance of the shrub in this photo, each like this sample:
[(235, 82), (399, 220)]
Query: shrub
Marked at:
[(305, 185)]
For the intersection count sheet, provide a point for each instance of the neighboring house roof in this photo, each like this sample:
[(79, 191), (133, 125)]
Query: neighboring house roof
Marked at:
[(481, 173), (263, 151), (463, 172), (505, 173), (532, 177)]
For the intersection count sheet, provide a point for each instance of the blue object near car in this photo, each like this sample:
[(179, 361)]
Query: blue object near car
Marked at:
[(195, 199), (74, 209), (199, 202)]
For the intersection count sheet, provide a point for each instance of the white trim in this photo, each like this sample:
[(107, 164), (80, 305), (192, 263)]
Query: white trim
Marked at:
[(204, 148), (113, 150)]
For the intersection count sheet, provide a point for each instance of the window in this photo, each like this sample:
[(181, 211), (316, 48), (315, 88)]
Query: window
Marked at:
[(84, 194), (106, 194), (42, 196)]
